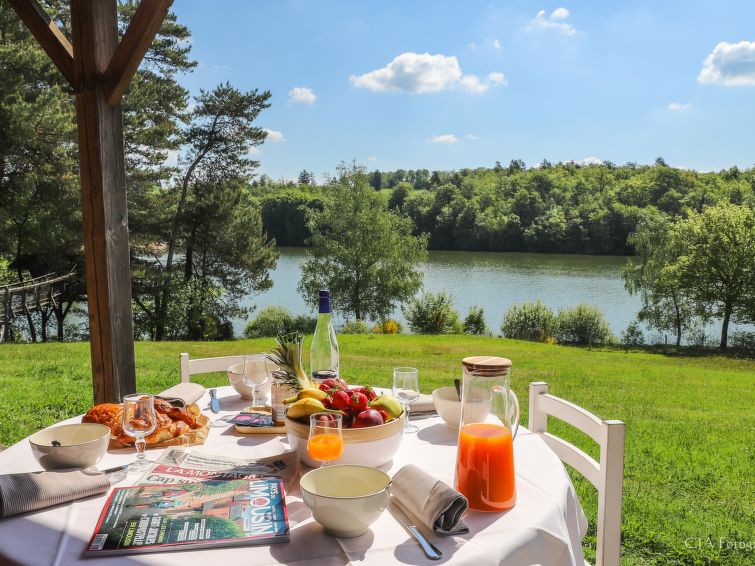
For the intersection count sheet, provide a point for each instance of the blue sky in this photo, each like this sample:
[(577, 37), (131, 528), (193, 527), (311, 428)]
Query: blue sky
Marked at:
[(444, 85)]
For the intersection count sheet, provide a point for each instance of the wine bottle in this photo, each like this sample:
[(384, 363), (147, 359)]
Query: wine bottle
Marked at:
[(323, 354)]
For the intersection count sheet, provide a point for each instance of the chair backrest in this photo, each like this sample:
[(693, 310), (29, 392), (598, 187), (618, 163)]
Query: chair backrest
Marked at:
[(607, 475), (191, 367)]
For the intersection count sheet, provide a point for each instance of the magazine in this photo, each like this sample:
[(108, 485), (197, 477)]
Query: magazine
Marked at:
[(204, 514), (186, 465)]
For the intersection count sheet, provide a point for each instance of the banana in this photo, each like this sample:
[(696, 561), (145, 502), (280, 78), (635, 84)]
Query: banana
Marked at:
[(390, 405), (306, 393), (306, 407)]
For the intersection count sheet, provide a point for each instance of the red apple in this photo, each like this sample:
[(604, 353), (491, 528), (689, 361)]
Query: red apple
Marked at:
[(368, 417), (383, 414)]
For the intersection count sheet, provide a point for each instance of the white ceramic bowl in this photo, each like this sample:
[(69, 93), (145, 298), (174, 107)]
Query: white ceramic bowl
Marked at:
[(235, 378), (370, 446), (345, 500), (81, 445), (448, 406)]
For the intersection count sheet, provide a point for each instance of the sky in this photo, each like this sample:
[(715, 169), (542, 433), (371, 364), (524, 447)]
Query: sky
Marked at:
[(450, 84)]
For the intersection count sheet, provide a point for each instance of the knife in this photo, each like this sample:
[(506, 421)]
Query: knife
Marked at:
[(214, 403), (430, 550)]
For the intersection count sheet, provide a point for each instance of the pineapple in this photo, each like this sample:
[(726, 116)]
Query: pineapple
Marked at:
[(287, 354)]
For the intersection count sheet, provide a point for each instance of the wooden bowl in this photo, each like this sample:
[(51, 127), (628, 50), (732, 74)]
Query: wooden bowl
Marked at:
[(370, 446)]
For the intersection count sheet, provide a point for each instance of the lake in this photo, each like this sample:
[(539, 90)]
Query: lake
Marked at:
[(492, 280)]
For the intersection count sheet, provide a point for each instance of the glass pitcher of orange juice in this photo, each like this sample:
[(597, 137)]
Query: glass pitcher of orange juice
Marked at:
[(489, 422)]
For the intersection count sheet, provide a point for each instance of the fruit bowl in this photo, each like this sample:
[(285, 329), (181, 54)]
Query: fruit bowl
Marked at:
[(369, 446)]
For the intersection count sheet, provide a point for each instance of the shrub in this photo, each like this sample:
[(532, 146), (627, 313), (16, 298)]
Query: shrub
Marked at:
[(389, 326), (583, 324), (530, 321), (433, 314), (356, 327), (633, 335), (475, 322), (303, 323), (270, 321), (743, 340)]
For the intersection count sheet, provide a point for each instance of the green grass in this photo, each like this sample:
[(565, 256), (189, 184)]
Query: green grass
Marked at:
[(690, 451)]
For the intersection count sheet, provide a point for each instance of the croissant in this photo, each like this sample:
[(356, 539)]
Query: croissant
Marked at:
[(111, 415)]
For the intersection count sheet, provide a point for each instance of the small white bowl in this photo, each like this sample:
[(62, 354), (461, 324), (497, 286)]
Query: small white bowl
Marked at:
[(448, 406), (345, 500), (236, 379), (81, 445)]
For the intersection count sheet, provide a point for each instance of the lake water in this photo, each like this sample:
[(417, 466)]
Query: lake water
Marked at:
[(491, 280)]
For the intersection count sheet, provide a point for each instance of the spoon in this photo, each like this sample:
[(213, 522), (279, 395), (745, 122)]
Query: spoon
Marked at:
[(457, 384)]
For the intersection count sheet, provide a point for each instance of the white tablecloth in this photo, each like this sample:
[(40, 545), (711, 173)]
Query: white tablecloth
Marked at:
[(545, 527)]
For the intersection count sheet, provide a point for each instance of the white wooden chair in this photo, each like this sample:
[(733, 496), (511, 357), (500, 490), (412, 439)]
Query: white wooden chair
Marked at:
[(205, 365), (607, 476)]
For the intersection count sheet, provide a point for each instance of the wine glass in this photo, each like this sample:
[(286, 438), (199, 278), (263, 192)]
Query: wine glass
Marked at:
[(325, 442), (256, 374), (406, 390), (139, 420)]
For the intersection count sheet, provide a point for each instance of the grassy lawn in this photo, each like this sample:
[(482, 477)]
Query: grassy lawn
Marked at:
[(689, 494)]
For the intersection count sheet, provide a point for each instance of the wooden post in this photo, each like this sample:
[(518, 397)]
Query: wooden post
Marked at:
[(99, 70), (103, 199)]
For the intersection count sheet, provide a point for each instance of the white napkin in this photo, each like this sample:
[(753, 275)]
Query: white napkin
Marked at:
[(185, 393), (22, 493), (437, 505)]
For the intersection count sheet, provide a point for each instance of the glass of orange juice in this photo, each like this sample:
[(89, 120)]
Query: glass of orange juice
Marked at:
[(325, 442)]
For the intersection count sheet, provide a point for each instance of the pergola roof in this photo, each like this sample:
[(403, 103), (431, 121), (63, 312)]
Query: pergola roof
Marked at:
[(99, 68)]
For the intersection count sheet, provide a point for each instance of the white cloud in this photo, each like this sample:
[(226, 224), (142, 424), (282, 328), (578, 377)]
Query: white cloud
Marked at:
[(556, 21), (274, 135), (498, 78), (497, 44), (730, 64), (301, 95), (472, 45), (678, 106), (592, 160), (253, 150), (444, 138), (372, 158), (419, 73), (472, 137), (472, 83)]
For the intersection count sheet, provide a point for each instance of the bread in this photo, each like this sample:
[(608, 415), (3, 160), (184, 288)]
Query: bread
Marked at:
[(111, 415)]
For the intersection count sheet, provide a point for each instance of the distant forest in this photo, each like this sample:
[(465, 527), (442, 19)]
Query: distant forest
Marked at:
[(558, 208)]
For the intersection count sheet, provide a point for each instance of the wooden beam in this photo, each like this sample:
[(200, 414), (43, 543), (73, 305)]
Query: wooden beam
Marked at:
[(103, 198), (49, 36), (139, 35)]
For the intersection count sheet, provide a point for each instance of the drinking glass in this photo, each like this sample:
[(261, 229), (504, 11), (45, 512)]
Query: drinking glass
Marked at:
[(325, 443), (257, 369), (139, 420), (406, 390)]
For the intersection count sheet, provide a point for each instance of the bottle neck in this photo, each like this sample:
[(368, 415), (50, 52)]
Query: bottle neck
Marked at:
[(324, 305)]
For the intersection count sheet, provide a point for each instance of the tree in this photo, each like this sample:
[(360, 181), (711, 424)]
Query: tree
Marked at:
[(666, 304), (305, 177), (208, 216), (376, 180), (715, 250), (365, 254)]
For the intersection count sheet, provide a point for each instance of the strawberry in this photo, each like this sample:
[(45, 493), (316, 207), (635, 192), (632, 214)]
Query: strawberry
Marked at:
[(327, 403), (369, 391), (358, 402), (340, 400), (334, 384)]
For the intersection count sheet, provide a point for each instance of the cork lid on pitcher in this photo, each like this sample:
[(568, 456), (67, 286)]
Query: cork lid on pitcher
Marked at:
[(491, 365)]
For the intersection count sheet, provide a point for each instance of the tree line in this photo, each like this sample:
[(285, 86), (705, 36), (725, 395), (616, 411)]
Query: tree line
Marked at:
[(557, 208)]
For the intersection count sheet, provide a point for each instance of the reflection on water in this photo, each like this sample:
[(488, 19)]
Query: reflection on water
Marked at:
[(493, 281)]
